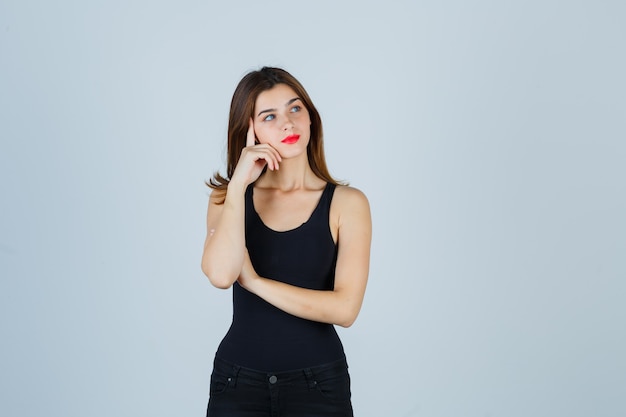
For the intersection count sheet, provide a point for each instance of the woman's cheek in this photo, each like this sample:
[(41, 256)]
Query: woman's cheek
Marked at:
[(264, 135), (258, 134)]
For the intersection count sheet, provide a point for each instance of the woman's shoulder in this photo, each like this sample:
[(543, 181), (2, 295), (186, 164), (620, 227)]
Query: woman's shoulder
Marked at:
[(350, 211), (348, 197), (348, 191)]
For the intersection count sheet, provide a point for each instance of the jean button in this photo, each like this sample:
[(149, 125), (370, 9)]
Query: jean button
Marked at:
[(273, 379)]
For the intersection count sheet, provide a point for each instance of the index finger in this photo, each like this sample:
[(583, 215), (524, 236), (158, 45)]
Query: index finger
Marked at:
[(250, 138)]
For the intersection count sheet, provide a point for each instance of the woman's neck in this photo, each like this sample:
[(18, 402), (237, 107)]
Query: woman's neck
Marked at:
[(293, 174)]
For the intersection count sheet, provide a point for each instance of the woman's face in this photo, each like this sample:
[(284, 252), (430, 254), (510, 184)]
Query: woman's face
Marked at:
[(282, 121)]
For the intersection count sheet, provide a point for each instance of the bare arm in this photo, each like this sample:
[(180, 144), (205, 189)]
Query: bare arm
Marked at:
[(225, 243), (224, 247), (340, 306)]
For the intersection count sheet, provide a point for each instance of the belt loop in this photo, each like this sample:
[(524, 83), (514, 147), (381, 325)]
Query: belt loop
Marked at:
[(236, 369), (310, 378)]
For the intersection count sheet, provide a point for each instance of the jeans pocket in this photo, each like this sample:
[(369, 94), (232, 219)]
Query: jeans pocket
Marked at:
[(219, 383), (335, 389)]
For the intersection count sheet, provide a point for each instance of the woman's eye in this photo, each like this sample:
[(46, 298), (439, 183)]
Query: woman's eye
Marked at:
[(296, 109), (268, 118)]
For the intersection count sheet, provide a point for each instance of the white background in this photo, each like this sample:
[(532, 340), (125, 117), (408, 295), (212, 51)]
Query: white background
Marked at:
[(488, 135)]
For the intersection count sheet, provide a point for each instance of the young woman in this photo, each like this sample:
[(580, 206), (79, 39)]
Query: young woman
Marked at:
[(295, 246)]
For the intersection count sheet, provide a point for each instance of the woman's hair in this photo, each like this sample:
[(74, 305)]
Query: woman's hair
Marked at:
[(242, 109)]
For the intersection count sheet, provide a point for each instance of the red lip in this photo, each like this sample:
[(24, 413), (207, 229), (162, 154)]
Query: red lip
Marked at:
[(291, 139)]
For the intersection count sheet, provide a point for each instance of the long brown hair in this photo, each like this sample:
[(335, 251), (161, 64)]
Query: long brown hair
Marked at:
[(242, 108)]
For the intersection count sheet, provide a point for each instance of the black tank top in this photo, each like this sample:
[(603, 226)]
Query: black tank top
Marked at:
[(264, 337)]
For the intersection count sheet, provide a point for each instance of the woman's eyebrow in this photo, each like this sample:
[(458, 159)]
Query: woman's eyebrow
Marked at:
[(271, 110)]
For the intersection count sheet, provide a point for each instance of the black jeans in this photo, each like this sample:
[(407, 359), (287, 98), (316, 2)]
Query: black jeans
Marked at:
[(319, 391)]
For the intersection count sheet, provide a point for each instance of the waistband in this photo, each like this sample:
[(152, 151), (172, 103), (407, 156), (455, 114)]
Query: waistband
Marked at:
[(311, 375)]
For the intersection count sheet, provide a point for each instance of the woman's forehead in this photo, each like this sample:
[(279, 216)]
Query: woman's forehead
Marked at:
[(277, 96)]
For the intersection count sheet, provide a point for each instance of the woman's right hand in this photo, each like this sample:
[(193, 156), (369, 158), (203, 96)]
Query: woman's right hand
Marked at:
[(254, 157)]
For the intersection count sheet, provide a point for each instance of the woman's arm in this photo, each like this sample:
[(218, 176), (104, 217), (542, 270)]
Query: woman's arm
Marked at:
[(340, 306), (225, 243), (224, 246)]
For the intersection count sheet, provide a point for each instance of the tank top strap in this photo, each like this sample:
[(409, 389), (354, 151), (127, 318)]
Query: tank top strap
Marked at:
[(248, 195), (327, 195), (322, 211), (249, 206)]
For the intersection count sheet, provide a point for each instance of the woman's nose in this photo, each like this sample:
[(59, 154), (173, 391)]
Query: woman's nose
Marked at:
[(288, 124)]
